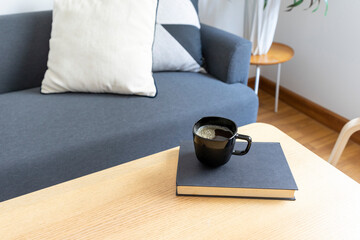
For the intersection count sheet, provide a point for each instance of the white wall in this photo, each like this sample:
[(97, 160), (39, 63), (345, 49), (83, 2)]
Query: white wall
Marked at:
[(225, 14), (324, 68), (18, 6)]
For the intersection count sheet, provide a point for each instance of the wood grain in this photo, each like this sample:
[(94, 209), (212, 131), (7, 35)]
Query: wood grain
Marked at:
[(278, 53), (137, 200), (315, 111)]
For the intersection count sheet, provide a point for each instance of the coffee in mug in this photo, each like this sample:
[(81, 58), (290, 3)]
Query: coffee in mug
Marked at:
[(214, 132)]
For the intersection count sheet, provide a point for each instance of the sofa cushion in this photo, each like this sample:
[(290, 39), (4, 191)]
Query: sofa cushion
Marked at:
[(177, 44), (48, 139), (101, 46)]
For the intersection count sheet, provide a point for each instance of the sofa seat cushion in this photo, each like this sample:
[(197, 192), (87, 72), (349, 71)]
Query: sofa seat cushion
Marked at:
[(48, 139)]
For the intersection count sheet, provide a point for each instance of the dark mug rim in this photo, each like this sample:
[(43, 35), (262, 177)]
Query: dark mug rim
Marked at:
[(216, 140)]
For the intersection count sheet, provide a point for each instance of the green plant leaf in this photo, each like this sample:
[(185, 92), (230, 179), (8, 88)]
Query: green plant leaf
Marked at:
[(295, 4), (327, 6), (317, 7), (311, 3)]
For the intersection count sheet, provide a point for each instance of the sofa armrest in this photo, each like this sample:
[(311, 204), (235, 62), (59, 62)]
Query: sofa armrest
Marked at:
[(226, 56)]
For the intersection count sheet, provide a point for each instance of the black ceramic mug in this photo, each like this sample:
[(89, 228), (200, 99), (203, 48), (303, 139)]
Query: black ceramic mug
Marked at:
[(216, 150)]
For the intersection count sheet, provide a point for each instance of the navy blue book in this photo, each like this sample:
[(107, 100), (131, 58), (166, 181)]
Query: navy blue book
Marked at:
[(262, 173)]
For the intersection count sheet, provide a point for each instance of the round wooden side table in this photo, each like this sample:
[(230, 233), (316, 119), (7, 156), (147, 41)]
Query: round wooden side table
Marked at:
[(278, 53)]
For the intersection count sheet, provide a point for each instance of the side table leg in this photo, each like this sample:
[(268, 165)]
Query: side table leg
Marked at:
[(257, 79), (277, 87)]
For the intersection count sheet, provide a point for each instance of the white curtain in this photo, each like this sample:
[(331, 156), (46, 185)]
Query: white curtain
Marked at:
[(260, 24)]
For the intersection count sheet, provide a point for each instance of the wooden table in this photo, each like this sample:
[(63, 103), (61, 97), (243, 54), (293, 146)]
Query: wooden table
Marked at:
[(278, 53), (137, 200)]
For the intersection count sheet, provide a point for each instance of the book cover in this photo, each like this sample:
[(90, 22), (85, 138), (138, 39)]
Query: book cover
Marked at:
[(262, 173)]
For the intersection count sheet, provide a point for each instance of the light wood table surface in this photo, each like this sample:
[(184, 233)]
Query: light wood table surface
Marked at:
[(137, 200), (278, 54)]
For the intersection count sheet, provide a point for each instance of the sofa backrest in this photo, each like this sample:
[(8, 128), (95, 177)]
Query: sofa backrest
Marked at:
[(24, 48)]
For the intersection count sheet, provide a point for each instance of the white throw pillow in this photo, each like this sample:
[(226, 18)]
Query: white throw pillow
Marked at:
[(177, 44), (102, 46)]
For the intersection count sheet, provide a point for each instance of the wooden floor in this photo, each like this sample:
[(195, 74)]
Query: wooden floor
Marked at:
[(309, 133)]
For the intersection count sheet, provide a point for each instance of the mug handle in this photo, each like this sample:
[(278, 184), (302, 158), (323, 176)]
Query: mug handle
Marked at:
[(249, 141)]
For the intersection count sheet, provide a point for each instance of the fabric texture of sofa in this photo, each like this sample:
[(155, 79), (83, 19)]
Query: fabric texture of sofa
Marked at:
[(49, 139)]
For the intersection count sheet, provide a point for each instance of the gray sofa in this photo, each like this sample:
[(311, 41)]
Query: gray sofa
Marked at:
[(49, 139)]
